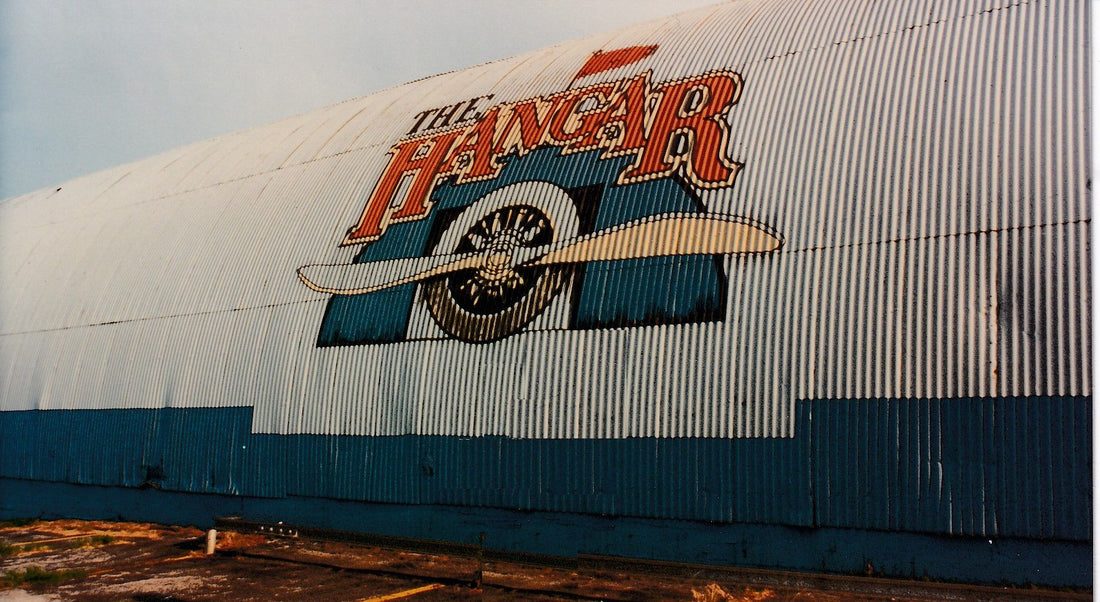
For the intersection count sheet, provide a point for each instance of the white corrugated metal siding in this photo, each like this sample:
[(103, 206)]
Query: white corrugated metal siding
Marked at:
[(926, 164)]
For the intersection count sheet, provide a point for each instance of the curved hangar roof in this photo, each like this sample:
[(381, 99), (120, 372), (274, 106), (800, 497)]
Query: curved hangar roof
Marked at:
[(678, 229)]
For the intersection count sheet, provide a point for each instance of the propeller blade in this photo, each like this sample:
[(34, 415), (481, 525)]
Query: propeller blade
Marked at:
[(655, 236), (361, 278)]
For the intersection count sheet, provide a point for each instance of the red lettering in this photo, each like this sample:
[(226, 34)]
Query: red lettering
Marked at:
[(689, 129), (573, 124), (531, 122), (680, 125), (421, 159), (629, 113), (477, 148)]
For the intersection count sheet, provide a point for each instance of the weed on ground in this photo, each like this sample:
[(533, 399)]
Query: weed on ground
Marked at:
[(34, 575), (17, 522)]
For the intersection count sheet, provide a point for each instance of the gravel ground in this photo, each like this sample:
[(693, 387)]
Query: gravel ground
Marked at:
[(94, 561)]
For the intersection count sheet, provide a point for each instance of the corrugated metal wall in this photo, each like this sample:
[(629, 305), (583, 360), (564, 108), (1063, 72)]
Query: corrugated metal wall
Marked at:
[(1012, 467), (925, 164)]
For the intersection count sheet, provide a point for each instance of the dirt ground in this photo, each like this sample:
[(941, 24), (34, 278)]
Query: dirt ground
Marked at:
[(94, 561)]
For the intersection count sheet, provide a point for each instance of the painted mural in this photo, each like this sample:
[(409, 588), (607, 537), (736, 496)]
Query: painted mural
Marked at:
[(485, 217)]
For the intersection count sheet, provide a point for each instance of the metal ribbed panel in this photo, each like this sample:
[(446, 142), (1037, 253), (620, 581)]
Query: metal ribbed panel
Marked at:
[(929, 182), (922, 463), (916, 356)]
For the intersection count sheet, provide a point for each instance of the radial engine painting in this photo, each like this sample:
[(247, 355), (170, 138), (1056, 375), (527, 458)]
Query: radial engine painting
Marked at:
[(574, 210)]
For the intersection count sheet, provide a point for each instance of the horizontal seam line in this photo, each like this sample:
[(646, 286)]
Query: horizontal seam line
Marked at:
[(936, 236), (892, 32), (167, 317)]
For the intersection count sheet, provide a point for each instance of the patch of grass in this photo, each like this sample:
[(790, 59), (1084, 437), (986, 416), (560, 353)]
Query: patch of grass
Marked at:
[(11, 549), (34, 575), (93, 541), (27, 548), (17, 522)]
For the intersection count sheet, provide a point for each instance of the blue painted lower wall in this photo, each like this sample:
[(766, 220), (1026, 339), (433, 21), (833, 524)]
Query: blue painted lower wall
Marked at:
[(909, 555), (917, 487)]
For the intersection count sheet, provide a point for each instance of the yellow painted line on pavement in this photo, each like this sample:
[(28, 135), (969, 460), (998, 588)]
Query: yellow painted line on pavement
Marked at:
[(405, 594)]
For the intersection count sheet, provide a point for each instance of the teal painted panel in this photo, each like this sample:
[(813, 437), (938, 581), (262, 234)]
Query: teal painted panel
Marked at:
[(984, 467), (198, 450), (1018, 467), (345, 467)]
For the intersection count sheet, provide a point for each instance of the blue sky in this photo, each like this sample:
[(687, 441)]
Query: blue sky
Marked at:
[(88, 85)]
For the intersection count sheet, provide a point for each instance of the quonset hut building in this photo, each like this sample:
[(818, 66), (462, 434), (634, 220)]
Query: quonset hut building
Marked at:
[(781, 284)]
